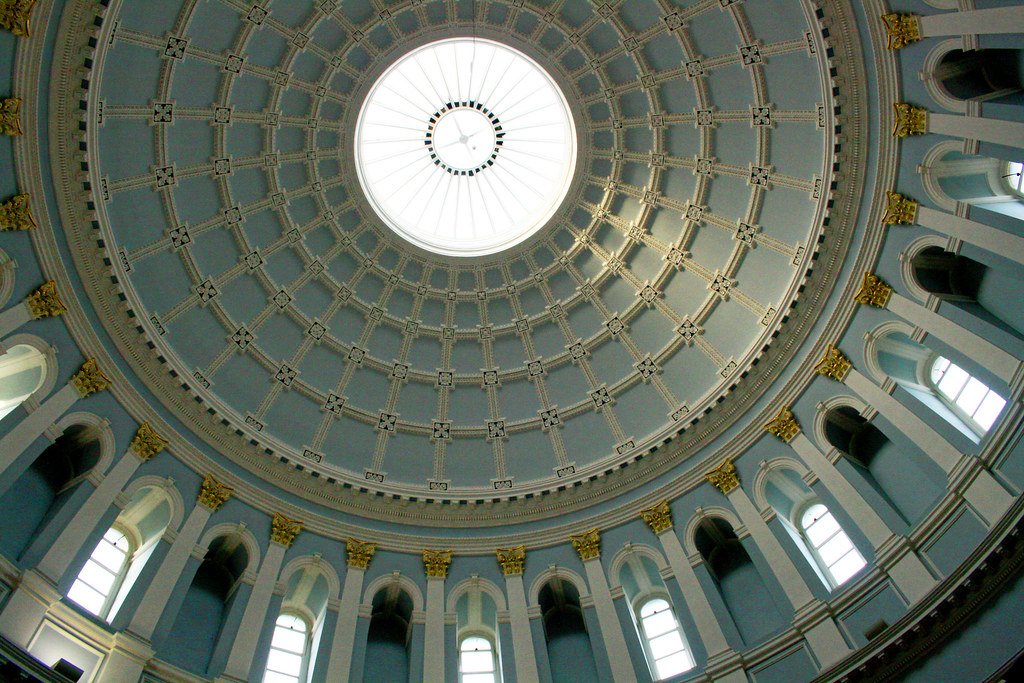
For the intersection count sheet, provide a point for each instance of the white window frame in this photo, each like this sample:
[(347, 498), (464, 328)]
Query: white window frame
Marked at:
[(951, 402), (119, 576), (307, 646), (493, 642), (814, 549), (1013, 176), (638, 606)]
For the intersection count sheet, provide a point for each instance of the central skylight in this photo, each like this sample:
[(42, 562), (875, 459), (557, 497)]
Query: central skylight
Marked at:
[(465, 147)]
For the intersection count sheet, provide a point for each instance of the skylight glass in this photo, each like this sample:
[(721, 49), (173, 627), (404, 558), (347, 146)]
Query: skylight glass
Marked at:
[(465, 147)]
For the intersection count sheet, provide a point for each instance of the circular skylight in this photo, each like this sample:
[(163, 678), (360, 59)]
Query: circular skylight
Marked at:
[(465, 147)]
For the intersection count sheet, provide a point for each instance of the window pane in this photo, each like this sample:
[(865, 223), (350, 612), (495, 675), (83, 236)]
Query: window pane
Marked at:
[(938, 368), (667, 644), (87, 597), (836, 548), (970, 398), (478, 678), (822, 530), (811, 514), (274, 677), (473, 662), (284, 662), (847, 567), (291, 621), (109, 556), (652, 606), (292, 641), (475, 643), (953, 381), (989, 411), (674, 664), (97, 577), (659, 623)]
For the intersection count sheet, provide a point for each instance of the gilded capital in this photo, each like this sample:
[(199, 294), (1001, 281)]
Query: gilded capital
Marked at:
[(90, 379), (873, 291), (14, 15), (833, 364), (283, 530), (587, 544), (658, 517), (45, 302), (899, 210), (10, 115), (724, 477), (512, 560), (359, 553), (213, 494), (436, 563), (16, 213), (783, 425), (147, 442), (903, 29), (910, 120)]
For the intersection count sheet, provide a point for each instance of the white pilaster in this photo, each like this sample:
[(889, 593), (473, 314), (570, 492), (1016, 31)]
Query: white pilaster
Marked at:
[(984, 494), (26, 608), (248, 634), (433, 641), (340, 666), (611, 630), (710, 631), (126, 659), (1002, 364), (13, 318), (818, 627), (984, 236), (996, 131), (522, 637), (81, 526), (159, 592), (14, 443), (970, 22)]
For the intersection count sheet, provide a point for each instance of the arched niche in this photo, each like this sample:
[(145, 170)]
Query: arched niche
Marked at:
[(909, 482), (389, 634), (48, 484), (988, 293), (211, 594), (567, 640), (742, 588), (476, 622), (952, 177), (983, 75)]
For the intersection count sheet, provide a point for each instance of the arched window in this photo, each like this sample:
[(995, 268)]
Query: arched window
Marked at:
[(663, 639), (22, 370), (477, 661), (101, 577), (1015, 177), (288, 661), (967, 396), (833, 550)]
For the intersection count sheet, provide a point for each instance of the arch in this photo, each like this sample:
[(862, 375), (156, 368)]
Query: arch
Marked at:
[(174, 498), (317, 563), (933, 81), (39, 389), (7, 279), (874, 343), (226, 529), (568, 641), (953, 178), (99, 429), (764, 474), (622, 557), (475, 583), (391, 606), (556, 572), (703, 513), (823, 408), (386, 580), (979, 75)]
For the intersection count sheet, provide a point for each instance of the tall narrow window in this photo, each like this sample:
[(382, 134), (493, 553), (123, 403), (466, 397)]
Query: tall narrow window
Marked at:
[(969, 397), (476, 661), (98, 582), (1015, 177), (664, 639), (288, 661), (831, 547)]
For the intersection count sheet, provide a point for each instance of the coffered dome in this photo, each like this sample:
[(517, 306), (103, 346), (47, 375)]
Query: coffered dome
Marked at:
[(258, 237)]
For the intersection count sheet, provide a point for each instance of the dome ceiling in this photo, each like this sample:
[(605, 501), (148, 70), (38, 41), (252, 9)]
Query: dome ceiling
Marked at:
[(240, 234)]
